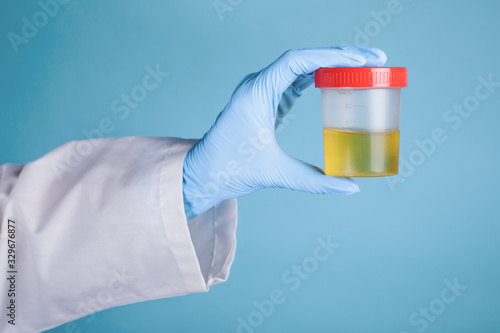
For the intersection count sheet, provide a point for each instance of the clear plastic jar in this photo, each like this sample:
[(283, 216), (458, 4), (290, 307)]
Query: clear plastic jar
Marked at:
[(361, 108)]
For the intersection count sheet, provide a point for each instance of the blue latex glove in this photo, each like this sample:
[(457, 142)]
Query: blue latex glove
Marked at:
[(240, 155)]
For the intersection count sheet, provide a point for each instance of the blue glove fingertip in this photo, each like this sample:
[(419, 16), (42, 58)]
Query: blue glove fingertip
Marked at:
[(373, 57), (354, 185), (359, 59), (342, 186)]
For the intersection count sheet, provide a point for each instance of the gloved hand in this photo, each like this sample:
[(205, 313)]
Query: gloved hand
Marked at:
[(239, 154)]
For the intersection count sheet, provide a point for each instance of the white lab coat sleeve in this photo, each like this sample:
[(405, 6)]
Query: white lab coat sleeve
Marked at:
[(100, 223)]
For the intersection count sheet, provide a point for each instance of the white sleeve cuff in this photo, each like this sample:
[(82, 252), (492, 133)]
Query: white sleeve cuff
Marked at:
[(213, 233), (101, 223)]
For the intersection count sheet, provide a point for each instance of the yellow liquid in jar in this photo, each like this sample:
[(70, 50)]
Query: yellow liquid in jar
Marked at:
[(361, 154)]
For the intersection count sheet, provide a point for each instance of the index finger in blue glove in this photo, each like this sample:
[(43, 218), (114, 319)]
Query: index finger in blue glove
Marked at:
[(370, 57), (296, 63)]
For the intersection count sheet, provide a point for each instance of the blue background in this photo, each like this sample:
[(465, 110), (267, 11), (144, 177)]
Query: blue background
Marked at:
[(397, 244)]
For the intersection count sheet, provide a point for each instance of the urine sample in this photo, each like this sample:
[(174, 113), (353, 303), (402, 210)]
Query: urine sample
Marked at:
[(361, 110), (360, 154)]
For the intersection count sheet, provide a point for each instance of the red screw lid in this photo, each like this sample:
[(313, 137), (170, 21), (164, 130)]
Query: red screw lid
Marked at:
[(361, 77)]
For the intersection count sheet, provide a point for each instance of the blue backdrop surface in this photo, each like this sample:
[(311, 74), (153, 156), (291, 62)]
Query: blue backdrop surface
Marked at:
[(418, 252)]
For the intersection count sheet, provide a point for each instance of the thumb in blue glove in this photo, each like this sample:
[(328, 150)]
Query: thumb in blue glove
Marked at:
[(240, 154)]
